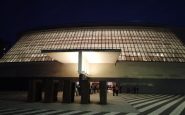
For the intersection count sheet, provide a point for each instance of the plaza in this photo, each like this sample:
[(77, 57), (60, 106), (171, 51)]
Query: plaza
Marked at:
[(15, 103)]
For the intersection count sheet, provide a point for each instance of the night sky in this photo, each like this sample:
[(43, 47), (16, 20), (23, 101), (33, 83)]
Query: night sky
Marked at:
[(18, 16)]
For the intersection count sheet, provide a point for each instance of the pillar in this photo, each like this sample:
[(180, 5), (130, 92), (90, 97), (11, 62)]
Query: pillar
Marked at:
[(85, 89), (72, 91), (35, 91), (103, 92), (68, 91), (56, 89), (51, 90)]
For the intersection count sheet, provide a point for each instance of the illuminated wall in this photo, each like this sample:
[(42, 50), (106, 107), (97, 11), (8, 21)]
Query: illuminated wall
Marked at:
[(136, 43), (149, 70), (157, 70)]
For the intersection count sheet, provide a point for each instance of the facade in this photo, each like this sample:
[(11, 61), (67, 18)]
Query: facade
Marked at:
[(136, 43), (151, 58)]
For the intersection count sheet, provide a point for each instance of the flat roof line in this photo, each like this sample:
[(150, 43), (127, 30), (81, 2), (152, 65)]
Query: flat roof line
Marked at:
[(76, 50)]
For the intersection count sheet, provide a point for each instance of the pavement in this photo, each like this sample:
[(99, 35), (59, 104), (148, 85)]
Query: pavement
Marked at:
[(14, 103)]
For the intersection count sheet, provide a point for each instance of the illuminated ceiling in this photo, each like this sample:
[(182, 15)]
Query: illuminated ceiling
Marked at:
[(92, 56)]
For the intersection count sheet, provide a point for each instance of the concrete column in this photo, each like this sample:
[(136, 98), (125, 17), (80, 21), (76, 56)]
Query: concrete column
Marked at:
[(72, 91), (51, 90), (80, 62), (34, 91), (56, 89), (85, 93), (103, 92), (68, 92), (84, 88)]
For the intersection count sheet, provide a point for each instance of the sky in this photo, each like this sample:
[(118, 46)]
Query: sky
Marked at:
[(18, 16)]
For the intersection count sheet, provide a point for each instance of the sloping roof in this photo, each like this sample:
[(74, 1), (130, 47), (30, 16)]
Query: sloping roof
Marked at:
[(137, 43)]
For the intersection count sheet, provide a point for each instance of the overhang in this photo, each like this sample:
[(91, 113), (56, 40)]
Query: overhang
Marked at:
[(91, 55)]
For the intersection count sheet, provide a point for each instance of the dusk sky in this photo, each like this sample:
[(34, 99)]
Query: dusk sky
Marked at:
[(18, 16)]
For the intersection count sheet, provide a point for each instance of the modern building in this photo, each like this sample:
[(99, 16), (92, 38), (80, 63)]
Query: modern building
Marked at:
[(149, 59)]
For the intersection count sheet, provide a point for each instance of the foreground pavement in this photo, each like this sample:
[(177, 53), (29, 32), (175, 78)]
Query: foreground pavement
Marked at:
[(14, 103)]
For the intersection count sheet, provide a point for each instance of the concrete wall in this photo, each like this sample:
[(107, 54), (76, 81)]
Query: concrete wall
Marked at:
[(158, 86), (139, 70), (120, 70), (38, 69), (149, 77)]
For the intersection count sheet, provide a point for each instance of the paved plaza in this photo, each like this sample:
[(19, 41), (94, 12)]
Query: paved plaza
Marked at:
[(14, 103)]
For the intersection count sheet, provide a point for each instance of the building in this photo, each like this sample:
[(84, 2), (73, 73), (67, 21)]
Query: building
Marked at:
[(150, 59)]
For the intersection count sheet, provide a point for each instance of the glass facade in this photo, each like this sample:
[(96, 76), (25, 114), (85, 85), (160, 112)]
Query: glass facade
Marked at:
[(136, 43)]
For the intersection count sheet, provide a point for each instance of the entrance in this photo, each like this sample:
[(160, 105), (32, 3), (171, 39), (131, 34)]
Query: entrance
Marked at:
[(83, 58)]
